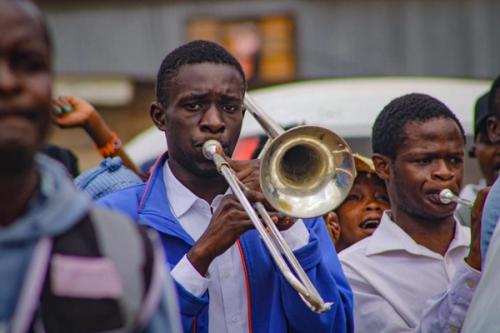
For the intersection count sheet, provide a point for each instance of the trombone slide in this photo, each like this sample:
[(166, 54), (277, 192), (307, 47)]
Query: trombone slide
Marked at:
[(273, 241)]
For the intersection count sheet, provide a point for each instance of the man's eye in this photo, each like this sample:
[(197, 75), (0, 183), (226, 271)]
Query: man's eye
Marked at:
[(423, 161), (456, 160), (193, 107), (230, 108), (29, 62)]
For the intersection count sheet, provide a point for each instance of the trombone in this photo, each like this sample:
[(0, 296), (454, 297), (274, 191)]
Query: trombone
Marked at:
[(305, 172)]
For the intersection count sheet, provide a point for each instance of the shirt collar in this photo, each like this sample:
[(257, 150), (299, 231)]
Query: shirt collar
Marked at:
[(390, 237), (180, 198)]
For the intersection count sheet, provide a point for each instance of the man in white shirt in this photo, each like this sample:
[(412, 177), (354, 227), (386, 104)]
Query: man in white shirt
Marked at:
[(411, 274), (225, 277)]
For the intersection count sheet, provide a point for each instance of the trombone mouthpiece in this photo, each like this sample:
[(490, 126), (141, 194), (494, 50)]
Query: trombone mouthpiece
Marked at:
[(210, 148)]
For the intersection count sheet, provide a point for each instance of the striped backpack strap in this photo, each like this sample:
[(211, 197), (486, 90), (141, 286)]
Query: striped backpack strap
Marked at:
[(28, 301)]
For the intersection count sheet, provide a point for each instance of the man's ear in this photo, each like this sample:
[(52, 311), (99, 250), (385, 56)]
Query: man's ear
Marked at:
[(382, 165), (158, 115), (493, 126)]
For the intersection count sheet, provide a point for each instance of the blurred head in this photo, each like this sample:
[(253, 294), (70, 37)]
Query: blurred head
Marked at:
[(418, 146), (493, 122), (200, 91), (487, 153), (359, 214), (25, 85), (110, 176)]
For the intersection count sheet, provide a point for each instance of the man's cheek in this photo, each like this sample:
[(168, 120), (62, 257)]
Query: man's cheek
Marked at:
[(494, 130)]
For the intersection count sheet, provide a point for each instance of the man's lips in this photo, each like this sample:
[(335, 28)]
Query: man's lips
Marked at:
[(198, 145), (30, 115)]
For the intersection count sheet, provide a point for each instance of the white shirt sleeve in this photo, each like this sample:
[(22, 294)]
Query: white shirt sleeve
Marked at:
[(297, 235), (446, 313), (189, 278)]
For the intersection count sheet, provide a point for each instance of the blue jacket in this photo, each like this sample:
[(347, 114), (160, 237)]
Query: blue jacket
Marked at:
[(273, 305), (491, 216)]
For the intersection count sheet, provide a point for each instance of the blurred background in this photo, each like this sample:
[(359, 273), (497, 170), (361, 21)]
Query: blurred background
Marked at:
[(108, 51)]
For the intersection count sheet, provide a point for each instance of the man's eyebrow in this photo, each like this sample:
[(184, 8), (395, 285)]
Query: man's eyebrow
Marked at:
[(432, 154), (192, 95), (231, 98)]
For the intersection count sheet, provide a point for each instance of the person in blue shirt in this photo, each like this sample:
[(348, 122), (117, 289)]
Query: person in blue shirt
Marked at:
[(225, 277), (483, 314)]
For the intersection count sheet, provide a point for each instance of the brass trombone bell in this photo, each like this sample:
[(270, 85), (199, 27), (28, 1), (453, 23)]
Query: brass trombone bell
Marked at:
[(307, 171)]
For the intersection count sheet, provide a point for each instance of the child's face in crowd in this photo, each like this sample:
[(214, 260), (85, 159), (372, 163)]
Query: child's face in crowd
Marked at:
[(361, 211), (25, 84)]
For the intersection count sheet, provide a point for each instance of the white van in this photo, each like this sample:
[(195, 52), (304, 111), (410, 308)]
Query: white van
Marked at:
[(347, 106)]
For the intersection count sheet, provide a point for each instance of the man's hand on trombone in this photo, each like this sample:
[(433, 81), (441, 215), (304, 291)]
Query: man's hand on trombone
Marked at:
[(230, 220), (248, 172)]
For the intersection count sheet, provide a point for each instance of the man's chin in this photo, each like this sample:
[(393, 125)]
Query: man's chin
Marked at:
[(207, 173), (201, 168), (15, 161)]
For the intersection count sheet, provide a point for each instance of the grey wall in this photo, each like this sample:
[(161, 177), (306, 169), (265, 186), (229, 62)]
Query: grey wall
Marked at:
[(334, 38)]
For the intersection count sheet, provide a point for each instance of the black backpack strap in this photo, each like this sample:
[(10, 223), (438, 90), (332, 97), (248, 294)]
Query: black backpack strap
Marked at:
[(32, 287)]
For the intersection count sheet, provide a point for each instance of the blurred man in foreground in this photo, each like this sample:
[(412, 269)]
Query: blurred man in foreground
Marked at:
[(65, 265)]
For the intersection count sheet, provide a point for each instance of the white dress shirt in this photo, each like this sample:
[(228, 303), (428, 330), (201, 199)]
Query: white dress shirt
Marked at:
[(225, 279), (401, 286)]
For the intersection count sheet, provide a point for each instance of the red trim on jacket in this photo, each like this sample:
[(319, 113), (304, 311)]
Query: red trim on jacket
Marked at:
[(247, 284)]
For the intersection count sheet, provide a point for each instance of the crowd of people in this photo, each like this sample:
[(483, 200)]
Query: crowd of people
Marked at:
[(115, 250)]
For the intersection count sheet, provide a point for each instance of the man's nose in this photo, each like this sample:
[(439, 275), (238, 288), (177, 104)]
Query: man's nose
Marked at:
[(212, 120), (443, 170)]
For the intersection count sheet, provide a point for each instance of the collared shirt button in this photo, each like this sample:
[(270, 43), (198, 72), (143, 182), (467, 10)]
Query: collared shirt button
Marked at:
[(470, 283)]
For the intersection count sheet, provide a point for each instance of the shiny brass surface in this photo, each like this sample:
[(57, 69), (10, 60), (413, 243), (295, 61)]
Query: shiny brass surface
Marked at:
[(307, 171)]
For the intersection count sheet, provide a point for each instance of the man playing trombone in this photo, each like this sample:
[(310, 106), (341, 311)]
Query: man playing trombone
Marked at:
[(225, 277)]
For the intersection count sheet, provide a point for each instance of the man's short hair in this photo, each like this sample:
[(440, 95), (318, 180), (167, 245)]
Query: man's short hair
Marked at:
[(195, 52), (494, 98), (388, 130)]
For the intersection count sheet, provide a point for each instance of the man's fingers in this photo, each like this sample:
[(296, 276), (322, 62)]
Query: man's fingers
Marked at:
[(255, 196)]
